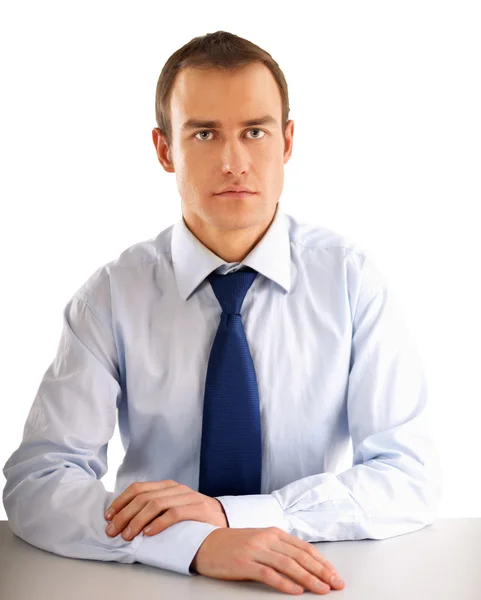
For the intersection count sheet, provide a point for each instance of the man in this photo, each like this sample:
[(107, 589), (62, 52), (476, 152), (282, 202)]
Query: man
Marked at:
[(242, 352)]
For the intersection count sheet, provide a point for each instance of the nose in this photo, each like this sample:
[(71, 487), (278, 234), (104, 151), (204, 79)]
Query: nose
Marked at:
[(235, 158)]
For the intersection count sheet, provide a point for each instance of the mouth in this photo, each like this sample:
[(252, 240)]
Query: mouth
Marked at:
[(238, 195)]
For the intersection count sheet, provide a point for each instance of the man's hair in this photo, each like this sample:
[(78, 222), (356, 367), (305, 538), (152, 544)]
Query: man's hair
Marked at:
[(222, 50)]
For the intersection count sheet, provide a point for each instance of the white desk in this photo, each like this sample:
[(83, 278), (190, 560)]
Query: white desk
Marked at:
[(440, 562)]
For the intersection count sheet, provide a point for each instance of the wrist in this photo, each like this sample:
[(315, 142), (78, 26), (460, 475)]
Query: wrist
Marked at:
[(225, 514), (193, 564)]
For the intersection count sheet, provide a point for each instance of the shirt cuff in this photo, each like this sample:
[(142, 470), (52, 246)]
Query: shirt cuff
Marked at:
[(255, 510), (175, 547)]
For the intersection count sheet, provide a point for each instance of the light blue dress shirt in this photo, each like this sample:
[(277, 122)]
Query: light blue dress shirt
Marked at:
[(335, 365)]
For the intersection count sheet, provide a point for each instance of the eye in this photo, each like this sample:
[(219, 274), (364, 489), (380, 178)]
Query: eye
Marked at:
[(260, 131), (205, 131), (208, 131)]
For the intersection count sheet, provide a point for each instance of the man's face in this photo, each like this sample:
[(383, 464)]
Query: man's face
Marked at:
[(208, 159)]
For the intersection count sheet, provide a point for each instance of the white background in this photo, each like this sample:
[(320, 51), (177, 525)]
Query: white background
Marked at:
[(386, 101)]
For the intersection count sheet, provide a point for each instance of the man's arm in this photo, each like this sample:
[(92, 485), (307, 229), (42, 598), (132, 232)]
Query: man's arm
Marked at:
[(53, 496), (395, 484)]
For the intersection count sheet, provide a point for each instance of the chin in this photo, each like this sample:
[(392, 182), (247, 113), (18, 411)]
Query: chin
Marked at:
[(234, 222)]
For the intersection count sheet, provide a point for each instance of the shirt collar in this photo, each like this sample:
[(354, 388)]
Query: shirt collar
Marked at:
[(193, 262)]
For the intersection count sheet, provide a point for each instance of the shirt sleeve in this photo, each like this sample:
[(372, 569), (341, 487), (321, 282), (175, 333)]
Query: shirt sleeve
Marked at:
[(395, 483), (53, 496)]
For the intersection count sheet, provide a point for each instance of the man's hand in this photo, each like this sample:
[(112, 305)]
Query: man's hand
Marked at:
[(142, 503), (265, 555)]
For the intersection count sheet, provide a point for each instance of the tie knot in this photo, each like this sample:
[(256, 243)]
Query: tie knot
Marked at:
[(231, 289)]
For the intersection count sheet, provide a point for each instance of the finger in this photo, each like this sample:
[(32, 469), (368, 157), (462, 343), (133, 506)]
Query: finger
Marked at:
[(186, 512), (121, 523), (309, 563), (285, 565), (133, 490), (272, 578), (154, 508), (142, 510), (307, 547)]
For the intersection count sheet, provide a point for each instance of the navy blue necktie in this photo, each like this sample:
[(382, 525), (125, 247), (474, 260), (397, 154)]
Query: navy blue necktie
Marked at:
[(231, 445)]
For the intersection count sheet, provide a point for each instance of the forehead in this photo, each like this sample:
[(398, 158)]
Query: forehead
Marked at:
[(225, 96)]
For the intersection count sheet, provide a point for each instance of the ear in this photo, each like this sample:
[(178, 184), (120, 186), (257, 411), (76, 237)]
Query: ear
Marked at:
[(162, 149), (289, 140)]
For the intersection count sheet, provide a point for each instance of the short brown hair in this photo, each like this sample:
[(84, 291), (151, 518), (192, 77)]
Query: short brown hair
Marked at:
[(222, 50)]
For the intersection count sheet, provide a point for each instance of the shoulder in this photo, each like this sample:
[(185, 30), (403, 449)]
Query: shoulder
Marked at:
[(315, 237), (133, 257), (326, 248)]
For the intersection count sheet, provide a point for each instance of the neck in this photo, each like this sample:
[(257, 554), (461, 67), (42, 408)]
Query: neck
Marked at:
[(232, 245)]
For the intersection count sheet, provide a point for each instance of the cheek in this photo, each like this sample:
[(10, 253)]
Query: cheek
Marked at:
[(187, 172), (273, 169), (195, 185)]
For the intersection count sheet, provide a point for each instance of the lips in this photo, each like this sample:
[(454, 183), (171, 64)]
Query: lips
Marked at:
[(235, 188), (236, 194)]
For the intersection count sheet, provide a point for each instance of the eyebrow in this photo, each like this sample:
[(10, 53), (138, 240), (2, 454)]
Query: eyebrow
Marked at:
[(203, 123)]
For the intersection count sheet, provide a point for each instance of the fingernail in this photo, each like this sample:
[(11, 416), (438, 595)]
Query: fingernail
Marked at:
[(336, 581), (109, 514), (322, 585), (110, 528), (126, 533)]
